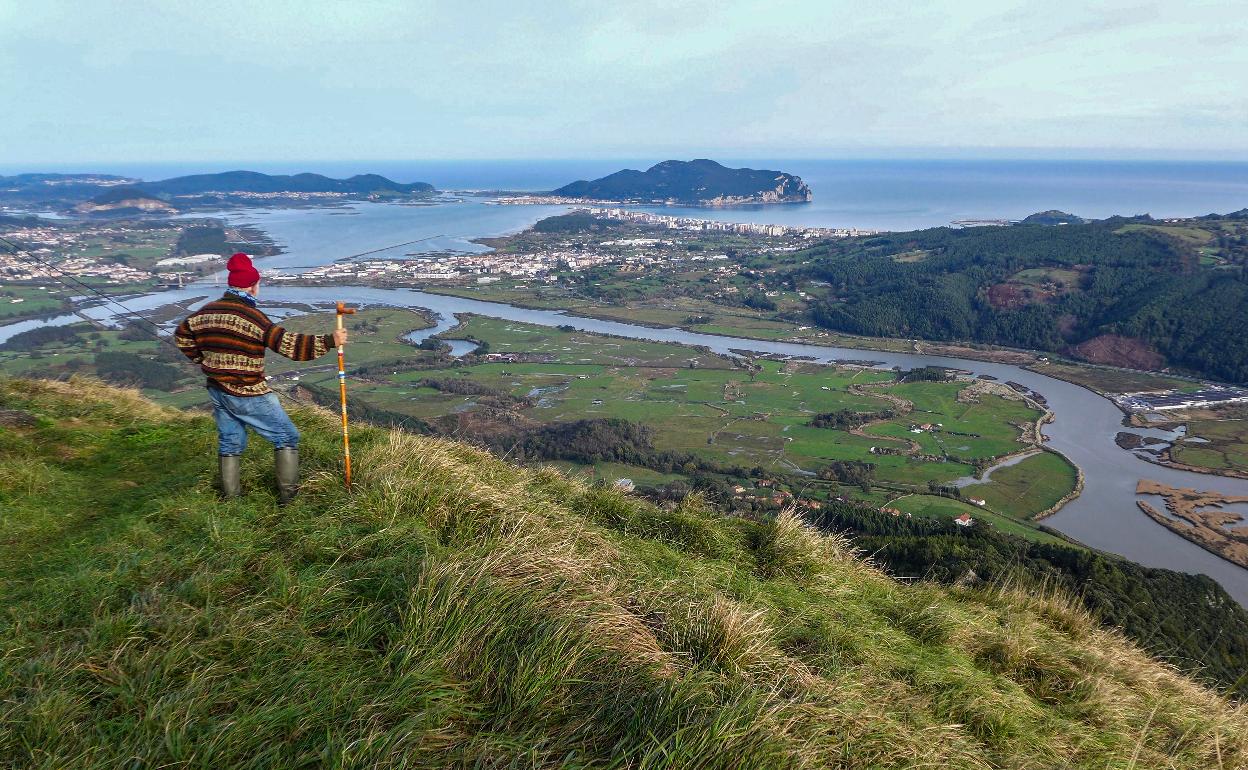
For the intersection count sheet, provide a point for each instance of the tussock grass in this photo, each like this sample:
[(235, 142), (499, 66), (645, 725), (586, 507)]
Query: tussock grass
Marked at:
[(457, 611)]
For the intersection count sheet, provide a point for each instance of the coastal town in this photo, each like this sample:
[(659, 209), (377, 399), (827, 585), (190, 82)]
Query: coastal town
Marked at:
[(655, 241), (717, 226), (634, 254)]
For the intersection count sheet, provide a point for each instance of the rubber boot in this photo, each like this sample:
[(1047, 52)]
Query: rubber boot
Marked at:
[(231, 486), (286, 464)]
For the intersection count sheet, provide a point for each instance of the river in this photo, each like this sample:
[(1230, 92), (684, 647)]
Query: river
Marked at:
[(1105, 516)]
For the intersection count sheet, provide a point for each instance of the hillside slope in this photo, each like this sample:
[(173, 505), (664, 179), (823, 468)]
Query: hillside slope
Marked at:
[(455, 610)]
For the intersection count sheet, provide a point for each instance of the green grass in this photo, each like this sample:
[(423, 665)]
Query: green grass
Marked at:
[(34, 301), (1227, 448), (379, 342), (1039, 276), (763, 423), (937, 507), (580, 347), (457, 611), (933, 506), (1026, 488), (1191, 236), (1106, 380)]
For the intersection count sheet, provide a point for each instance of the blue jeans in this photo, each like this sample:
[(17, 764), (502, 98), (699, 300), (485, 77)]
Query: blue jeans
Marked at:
[(263, 413)]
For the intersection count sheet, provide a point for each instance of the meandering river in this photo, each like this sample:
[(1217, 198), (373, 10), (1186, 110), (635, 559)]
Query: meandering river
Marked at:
[(1105, 516)]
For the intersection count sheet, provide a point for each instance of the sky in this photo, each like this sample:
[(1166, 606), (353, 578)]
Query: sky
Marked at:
[(174, 80)]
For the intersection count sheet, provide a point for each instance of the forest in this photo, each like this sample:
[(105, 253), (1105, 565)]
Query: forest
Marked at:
[(1041, 287), (844, 419)]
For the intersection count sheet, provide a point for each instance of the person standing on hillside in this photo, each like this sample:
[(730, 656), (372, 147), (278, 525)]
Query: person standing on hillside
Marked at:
[(227, 338)]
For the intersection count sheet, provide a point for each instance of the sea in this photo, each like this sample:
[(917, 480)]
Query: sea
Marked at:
[(890, 194)]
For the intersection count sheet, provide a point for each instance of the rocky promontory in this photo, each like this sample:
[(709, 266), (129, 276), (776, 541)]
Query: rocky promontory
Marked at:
[(696, 183)]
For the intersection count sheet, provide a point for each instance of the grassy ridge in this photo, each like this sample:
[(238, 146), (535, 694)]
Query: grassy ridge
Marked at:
[(456, 610)]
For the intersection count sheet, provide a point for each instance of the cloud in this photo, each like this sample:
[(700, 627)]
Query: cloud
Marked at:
[(149, 80)]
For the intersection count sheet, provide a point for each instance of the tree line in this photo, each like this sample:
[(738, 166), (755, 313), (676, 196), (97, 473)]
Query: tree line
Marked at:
[(1134, 283)]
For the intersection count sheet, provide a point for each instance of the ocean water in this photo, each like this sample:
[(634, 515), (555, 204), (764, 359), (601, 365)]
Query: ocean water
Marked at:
[(872, 194)]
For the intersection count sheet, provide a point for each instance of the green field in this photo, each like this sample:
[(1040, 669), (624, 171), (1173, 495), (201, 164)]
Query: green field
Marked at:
[(1026, 488), (139, 249), (1227, 448), (1107, 380), (34, 300), (1039, 276), (374, 337), (937, 507), (706, 404), (694, 401), (1191, 236), (579, 347)]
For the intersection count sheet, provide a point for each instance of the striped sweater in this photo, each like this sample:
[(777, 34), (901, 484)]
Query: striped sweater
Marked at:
[(228, 337)]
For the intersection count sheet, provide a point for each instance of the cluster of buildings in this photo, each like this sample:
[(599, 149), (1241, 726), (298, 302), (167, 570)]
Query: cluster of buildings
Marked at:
[(457, 266), (716, 226), (1176, 399), (14, 268), (48, 244), (285, 195), (453, 266), (194, 259)]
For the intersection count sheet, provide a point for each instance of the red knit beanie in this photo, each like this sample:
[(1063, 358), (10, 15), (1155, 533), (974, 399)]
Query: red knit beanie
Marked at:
[(242, 274)]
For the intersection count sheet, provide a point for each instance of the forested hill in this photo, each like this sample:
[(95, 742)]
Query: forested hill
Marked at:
[(1129, 292), (255, 182), (453, 610), (696, 182)]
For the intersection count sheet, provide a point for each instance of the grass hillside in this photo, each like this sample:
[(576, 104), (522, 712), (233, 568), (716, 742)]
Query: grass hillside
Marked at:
[(456, 610)]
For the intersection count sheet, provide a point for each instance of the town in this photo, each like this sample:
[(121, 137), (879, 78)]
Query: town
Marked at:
[(454, 266), (53, 252), (653, 242), (716, 226)]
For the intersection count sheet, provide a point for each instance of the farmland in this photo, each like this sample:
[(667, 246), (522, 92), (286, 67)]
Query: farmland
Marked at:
[(742, 420), (1025, 489), (753, 416), (1220, 445)]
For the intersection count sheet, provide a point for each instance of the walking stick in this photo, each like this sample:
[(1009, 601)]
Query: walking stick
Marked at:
[(342, 394)]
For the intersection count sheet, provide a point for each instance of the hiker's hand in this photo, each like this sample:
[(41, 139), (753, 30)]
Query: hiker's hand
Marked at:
[(340, 337)]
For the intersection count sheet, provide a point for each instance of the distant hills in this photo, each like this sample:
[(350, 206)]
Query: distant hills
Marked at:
[(255, 182), (90, 193), (699, 182), (124, 199)]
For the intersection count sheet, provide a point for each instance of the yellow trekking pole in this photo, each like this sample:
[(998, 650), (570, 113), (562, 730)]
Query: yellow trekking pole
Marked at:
[(342, 394)]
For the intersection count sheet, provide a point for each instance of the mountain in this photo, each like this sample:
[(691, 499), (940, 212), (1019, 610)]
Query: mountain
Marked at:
[(697, 182), (254, 182), (454, 610), (124, 199), (1052, 217)]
